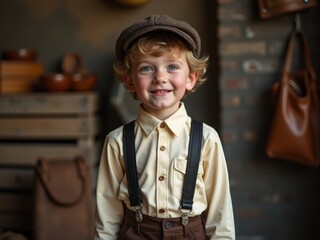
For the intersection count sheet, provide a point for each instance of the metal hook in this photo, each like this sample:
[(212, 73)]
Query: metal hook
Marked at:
[(297, 21)]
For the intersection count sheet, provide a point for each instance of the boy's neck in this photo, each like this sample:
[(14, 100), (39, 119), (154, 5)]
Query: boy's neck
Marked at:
[(162, 114)]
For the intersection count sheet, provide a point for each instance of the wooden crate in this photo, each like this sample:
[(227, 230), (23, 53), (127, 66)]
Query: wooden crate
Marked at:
[(35, 125), (53, 125), (55, 104)]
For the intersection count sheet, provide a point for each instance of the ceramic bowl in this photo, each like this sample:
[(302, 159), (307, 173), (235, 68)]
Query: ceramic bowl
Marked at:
[(22, 54), (83, 82), (56, 82)]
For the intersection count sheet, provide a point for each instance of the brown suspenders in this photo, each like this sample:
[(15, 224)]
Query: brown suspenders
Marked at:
[(189, 183)]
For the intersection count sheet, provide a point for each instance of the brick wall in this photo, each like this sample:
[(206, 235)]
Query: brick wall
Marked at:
[(273, 199)]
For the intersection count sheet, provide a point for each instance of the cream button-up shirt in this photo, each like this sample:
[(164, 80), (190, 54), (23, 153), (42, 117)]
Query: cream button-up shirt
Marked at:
[(161, 153)]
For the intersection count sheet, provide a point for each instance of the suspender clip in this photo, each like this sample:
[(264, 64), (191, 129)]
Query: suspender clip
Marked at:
[(184, 218), (139, 216)]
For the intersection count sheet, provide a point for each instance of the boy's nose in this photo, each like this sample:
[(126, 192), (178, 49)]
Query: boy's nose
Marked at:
[(159, 77)]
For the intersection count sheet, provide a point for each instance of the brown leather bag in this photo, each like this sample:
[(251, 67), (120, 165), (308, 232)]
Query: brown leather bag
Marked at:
[(63, 205), (273, 8), (294, 134)]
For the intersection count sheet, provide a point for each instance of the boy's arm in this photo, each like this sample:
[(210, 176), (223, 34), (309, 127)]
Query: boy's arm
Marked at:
[(219, 214), (109, 209)]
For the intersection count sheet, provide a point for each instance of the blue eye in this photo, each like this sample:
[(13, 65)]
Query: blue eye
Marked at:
[(146, 69), (172, 67)]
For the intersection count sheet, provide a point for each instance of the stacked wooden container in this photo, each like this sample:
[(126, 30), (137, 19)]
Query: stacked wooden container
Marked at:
[(39, 124), (35, 125), (19, 76)]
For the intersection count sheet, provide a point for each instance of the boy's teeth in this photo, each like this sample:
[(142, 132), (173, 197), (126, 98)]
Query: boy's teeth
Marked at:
[(161, 91)]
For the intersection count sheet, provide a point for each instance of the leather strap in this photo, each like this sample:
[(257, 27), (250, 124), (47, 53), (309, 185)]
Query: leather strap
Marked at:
[(305, 51), (195, 143)]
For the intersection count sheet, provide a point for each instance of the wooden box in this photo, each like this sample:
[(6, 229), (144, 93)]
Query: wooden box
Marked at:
[(19, 76), (50, 125), (35, 125)]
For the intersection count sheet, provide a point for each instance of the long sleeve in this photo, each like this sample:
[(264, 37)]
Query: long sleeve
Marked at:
[(109, 212), (219, 213)]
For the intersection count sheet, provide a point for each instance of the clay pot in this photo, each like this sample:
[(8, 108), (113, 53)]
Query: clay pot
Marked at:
[(56, 82), (83, 82)]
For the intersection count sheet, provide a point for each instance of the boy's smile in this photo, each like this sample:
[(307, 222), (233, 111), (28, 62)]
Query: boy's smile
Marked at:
[(160, 92), (160, 82)]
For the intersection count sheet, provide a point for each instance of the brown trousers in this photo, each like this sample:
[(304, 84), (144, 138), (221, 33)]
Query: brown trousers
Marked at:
[(152, 228)]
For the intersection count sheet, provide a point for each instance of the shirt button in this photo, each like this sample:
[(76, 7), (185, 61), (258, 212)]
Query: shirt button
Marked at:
[(162, 148), (161, 178), (162, 125), (162, 210)]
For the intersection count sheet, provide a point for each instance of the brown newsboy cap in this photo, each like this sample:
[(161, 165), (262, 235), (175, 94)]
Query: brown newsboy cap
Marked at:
[(157, 23)]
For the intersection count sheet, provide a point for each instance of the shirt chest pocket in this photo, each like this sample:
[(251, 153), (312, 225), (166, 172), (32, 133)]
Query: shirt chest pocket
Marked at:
[(179, 172)]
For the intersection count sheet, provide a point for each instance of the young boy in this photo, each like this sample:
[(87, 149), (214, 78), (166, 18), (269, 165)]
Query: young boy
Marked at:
[(158, 61)]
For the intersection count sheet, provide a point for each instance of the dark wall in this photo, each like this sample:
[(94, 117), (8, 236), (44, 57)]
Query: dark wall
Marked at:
[(273, 199)]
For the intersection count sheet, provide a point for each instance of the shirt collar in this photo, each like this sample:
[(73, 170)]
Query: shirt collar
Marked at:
[(175, 122)]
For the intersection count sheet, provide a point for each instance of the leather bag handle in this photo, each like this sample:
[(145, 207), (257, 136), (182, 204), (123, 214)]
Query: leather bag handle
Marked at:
[(42, 171), (306, 55)]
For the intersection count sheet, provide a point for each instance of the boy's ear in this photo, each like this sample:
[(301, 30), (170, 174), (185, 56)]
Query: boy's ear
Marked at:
[(192, 80), (126, 79)]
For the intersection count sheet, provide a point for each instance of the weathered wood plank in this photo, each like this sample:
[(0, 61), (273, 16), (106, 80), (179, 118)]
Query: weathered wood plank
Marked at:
[(15, 178), (48, 128), (27, 154), (44, 103), (16, 202)]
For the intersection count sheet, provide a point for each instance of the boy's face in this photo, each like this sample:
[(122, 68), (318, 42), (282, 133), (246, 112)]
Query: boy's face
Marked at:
[(160, 82)]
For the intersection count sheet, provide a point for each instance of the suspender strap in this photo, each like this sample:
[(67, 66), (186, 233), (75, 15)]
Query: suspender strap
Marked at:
[(129, 153), (189, 183), (190, 178)]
